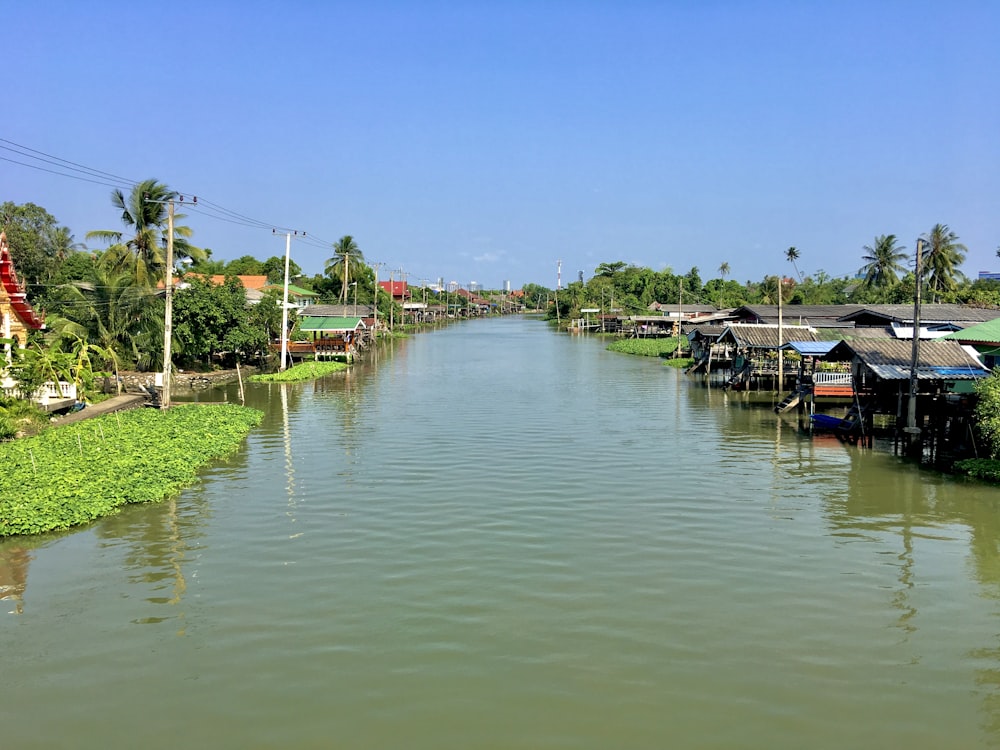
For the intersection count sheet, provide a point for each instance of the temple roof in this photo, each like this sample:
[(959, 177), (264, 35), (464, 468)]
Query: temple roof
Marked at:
[(18, 298)]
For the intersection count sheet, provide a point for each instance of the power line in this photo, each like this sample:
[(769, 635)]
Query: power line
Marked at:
[(209, 209)]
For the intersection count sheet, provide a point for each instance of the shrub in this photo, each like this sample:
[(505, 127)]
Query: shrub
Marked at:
[(987, 469)]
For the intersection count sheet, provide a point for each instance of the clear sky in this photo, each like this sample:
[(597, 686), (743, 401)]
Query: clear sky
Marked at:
[(486, 140)]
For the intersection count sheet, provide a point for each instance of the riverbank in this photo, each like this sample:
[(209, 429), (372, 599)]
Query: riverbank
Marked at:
[(75, 474), (143, 381)]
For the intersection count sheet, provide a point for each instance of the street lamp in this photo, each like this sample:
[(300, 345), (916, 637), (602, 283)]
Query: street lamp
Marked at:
[(355, 285)]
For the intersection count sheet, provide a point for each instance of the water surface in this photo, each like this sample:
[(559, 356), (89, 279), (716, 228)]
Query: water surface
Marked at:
[(494, 536)]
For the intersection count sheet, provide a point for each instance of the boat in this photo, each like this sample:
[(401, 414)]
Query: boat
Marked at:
[(829, 422)]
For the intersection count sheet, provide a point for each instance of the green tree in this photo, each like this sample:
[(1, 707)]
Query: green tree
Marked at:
[(245, 265), (609, 270), (204, 313), (724, 270), (30, 233), (142, 256), (943, 257), (883, 262), (274, 269), (347, 257)]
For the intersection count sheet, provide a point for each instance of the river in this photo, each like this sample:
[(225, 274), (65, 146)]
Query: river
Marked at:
[(496, 536)]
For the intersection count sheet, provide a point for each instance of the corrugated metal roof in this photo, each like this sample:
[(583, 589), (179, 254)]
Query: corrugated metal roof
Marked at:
[(890, 359), (811, 348), (794, 313), (314, 323), (929, 313), (763, 336)]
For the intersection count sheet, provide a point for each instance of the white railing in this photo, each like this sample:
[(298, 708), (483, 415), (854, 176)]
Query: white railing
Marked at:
[(832, 378), (46, 392)]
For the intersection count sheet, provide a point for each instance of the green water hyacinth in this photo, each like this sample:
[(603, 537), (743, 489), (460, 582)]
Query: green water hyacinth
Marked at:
[(301, 371), (72, 475), (652, 347)]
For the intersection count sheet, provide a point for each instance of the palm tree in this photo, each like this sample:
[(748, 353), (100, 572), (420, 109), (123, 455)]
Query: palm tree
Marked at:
[(724, 270), (944, 255), (884, 262), (144, 214), (116, 315), (347, 256), (792, 255)]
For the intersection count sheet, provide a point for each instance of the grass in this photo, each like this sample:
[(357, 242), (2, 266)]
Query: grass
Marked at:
[(300, 372)]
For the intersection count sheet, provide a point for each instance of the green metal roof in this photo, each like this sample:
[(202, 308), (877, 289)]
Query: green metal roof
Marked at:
[(292, 289), (983, 333), (311, 323)]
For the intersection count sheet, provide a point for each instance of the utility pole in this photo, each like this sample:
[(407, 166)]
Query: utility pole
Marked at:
[(347, 273), (284, 304), (558, 287), (376, 266), (911, 406), (168, 319), (680, 315), (781, 369)]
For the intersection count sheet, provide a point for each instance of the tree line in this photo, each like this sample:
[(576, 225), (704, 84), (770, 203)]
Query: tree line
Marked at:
[(104, 307), (887, 275)]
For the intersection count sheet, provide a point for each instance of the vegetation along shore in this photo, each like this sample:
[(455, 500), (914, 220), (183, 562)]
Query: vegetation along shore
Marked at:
[(74, 474)]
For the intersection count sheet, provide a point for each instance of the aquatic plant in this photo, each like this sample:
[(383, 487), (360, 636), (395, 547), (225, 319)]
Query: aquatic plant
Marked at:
[(654, 347), (301, 371), (73, 474)]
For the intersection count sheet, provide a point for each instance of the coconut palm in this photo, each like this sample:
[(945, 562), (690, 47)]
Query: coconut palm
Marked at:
[(116, 315), (792, 255), (144, 214), (884, 262), (347, 258), (943, 255), (724, 270)]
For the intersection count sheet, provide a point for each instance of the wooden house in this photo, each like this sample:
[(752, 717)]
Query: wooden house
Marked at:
[(945, 378), (334, 337), (756, 351)]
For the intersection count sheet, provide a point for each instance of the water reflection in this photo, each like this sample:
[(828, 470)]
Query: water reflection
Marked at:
[(156, 542), (14, 561)]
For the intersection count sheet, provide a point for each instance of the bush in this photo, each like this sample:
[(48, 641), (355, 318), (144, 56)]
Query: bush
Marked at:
[(988, 413), (987, 469)]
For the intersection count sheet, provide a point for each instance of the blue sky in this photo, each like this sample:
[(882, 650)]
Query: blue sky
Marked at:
[(486, 140)]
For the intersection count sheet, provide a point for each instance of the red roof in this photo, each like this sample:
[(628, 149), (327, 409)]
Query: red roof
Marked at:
[(18, 298), (248, 281), (395, 288)]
